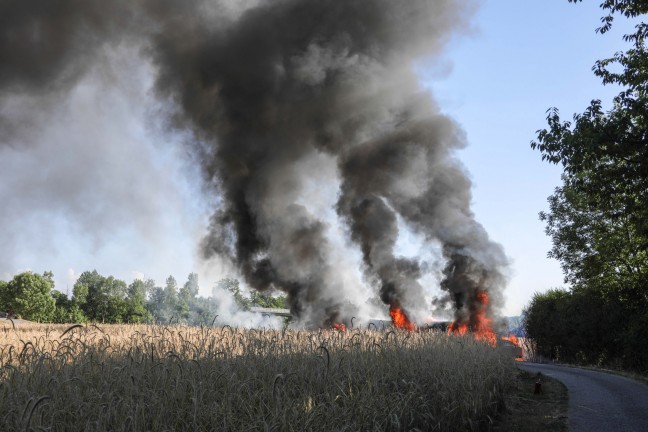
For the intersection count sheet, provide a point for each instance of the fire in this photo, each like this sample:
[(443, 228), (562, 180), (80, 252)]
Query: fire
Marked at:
[(511, 338), (481, 325), (400, 320), (459, 329), (339, 327), (514, 340)]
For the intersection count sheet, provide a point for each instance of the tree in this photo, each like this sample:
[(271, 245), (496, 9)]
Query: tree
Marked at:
[(231, 285), (596, 239), (255, 299), (136, 311), (171, 300), (192, 285), (544, 321), (67, 310), (29, 295), (163, 303), (598, 218), (187, 296), (171, 292), (101, 298), (204, 311), (268, 301), (3, 287), (157, 305), (604, 155)]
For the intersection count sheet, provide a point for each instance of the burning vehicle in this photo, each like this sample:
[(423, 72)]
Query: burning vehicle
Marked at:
[(511, 344)]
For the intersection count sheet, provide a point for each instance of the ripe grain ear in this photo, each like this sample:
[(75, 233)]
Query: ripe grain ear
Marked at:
[(38, 402), (69, 329)]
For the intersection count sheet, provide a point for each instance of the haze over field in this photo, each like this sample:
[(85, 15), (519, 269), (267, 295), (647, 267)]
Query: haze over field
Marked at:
[(289, 142)]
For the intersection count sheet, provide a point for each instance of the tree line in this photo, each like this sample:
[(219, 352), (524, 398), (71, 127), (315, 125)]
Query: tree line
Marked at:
[(598, 217), (105, 299)]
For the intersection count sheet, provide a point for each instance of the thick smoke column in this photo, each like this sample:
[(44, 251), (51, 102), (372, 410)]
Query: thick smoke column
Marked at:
[(264, 88)]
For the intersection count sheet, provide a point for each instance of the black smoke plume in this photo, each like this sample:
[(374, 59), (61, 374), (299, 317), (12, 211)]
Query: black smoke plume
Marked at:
[(264, 86)]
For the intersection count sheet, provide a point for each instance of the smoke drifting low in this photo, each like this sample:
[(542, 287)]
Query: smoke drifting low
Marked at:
[(266, 86)]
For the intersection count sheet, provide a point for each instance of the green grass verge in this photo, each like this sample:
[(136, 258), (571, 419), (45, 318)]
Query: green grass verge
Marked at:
[(526, 411)]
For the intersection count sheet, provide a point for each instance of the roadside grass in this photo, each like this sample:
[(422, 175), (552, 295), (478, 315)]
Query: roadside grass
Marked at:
[(139, 377), (529, 412)]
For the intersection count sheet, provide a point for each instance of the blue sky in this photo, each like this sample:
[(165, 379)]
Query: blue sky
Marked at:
[(497, 81), (522, 58)]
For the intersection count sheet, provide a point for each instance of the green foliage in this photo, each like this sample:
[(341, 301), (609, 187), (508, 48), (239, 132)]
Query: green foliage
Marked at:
[(3, 287), (627, 8), (170, 305), (204, 311), (187, 298), (67, 310), (185, 301), (597, 239), (29, 296), (109, 300), (165, 305), (157, 306), (101, 298), (171, 291), (586, 327), (542, 321), (192, 285), (136, 311), (255, 299), (231, 285), (268, 301), (598, 218)]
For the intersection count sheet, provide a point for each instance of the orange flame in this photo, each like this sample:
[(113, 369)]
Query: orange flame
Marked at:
[(514, 340), (339, 327), (400, 320), (511, 338), (481, 326), (458, 329)]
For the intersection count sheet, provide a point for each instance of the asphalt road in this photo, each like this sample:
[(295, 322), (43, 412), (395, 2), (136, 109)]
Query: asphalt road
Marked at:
[(599, 401)]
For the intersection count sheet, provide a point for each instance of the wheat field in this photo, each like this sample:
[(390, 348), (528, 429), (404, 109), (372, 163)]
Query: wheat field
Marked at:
[(175, 378)]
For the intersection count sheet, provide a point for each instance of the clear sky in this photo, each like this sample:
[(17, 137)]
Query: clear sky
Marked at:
[(521, 58)]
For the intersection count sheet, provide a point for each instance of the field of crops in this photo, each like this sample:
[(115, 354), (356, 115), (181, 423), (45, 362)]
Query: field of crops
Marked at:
[(157, 378)]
